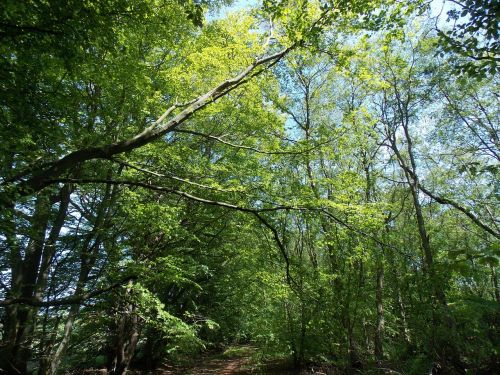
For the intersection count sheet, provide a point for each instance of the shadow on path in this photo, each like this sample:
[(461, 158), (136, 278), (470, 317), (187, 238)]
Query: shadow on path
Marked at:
[(212, 366)]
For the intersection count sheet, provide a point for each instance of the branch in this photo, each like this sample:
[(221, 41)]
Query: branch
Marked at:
[(160, 127), (254, 211), (219, 139), (175, 178), (11, 30), (450, 202), (281, 246), (73, 300), (466, 211), (176, 192)]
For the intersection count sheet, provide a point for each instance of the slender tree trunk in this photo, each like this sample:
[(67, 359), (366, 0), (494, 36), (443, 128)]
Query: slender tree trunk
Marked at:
[(63, 344), (46, 349), (291, 333), (410, 173), (49, 249), (11, 323), (354, 359), (447, 349), (349, 319), (402, 309), (379, 268), (495, 283), (86, 264), (379, 329)]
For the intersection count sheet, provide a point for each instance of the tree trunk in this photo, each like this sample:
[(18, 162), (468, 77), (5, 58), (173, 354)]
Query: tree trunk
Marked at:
[(495, 283), (88, 257), (445, 350), (411, 176), (19, 327), (354, 359), (379, 329), (63, 344), (125, 346)]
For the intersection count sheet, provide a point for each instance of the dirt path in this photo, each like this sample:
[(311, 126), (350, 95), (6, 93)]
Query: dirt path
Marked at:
[(220, 367), (212, 366)]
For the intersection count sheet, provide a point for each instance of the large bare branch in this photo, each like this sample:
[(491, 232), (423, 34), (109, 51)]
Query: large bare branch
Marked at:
[(160, 127)]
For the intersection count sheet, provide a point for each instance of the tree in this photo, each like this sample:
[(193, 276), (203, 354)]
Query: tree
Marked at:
[(296, 177), (474, 35)]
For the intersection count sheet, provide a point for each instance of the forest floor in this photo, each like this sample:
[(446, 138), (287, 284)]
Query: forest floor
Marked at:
[(239, 360), (241, 363), (213, 366)]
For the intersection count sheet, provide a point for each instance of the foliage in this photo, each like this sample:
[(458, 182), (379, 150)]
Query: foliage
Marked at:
[(308, 180), (474, 35)]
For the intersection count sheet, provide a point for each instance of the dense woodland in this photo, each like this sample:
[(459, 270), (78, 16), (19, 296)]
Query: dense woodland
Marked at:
[(318, 179)]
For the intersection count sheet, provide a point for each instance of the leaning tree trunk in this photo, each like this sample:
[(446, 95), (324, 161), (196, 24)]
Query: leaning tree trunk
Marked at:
[(87, 261), (88, 257), (19, 322)]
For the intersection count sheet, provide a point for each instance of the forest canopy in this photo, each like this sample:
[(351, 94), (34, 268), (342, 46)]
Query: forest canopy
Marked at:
[(315, 180)]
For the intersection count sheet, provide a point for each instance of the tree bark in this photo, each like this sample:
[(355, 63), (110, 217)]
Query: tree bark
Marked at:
[(88, 257), (447, 349), (127, 336), (379, 329), (495, 283), (18, 330)]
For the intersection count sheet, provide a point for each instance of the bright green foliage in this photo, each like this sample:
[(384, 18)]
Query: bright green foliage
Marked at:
[(325, 192)]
